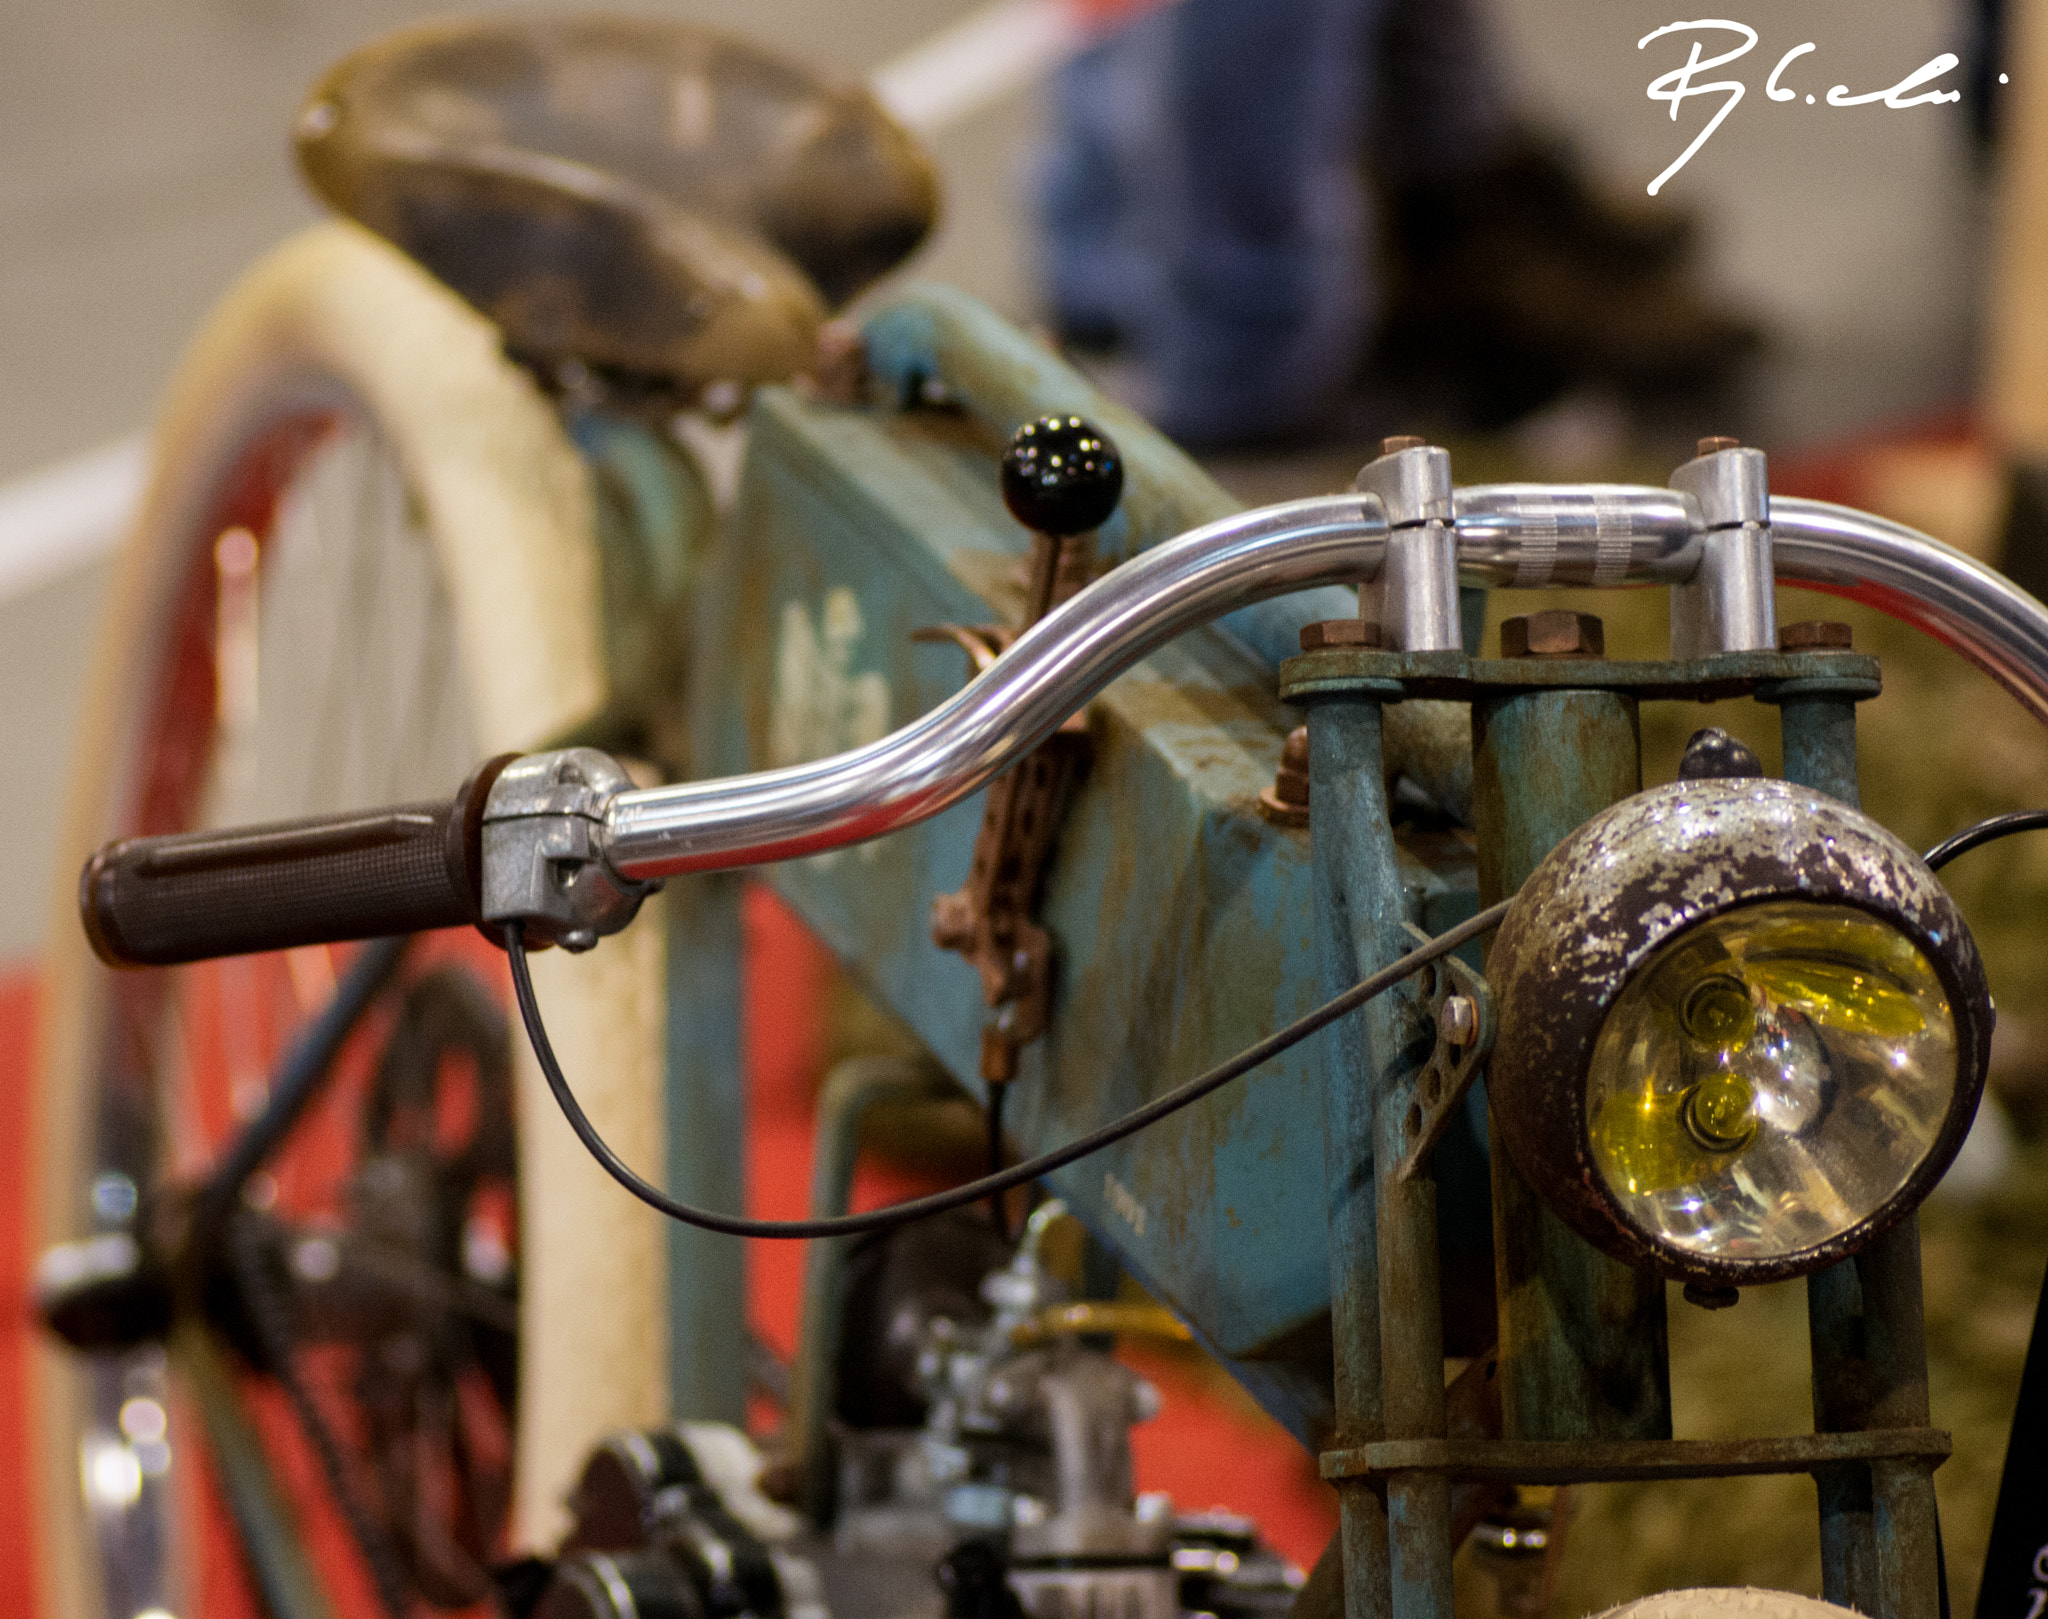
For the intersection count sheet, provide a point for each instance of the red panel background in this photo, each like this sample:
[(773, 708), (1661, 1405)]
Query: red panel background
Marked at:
[(1211, 1447)]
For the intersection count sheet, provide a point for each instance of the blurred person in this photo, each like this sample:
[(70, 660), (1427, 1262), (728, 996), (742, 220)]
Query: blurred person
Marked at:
[(1206, 212)]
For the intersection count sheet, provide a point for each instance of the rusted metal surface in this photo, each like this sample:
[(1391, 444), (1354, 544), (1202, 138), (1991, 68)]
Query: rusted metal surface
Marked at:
[(1181, 918), (1461, 1004), (991, 920), (1335, 632), (1870, 1372), (1908, 1539), (1639, 875), (1459, 678), (1584, 1461), (1864, 1315), (1581, 1337), (1385, 1275), (1472, 1411), (1818, 725), (641, 196), (1386, 1317)]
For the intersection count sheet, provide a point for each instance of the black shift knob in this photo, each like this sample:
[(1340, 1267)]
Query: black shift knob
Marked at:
[(1062, 475)]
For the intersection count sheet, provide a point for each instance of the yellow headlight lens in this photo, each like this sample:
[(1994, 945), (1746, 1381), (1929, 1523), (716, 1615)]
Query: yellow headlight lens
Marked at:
[(1770, 1078)]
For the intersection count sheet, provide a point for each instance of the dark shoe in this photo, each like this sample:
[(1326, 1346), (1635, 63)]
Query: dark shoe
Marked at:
[(1493, 312), (1537, 189)]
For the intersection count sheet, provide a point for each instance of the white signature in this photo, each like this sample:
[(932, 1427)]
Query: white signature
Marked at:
[(1677, 85)]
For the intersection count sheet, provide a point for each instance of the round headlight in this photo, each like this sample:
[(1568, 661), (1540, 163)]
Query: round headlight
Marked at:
[(1742, 1030)]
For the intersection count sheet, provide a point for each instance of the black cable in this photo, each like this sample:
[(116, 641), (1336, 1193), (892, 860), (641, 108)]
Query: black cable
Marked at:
[(1999, 826), (1030, 1169)]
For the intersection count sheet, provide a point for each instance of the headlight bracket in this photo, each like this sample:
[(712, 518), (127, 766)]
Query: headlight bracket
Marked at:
[(1461, 1006)]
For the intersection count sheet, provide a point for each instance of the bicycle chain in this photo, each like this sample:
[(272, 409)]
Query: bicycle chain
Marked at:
[(267, 1314)]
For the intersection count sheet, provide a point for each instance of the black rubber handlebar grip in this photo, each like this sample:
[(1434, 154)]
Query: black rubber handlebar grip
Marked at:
[(155, 902)]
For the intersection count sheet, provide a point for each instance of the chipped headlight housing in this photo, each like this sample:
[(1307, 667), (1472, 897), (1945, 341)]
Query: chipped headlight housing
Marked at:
[(1743, 1030)]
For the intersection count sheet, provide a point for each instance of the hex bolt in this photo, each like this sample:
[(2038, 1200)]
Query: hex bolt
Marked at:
[(1553, 633), (1816, 635), (1396, 443), (1286, 802), (1457, 1020), (1339, 632), (1711, 1295), (1714, 444)]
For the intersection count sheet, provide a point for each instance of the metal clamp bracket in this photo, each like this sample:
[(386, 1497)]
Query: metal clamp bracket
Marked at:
[(543, 856), (1461, 1003), (991, 919)]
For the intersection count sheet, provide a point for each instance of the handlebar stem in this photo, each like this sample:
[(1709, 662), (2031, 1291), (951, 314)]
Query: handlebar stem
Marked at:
[(1728, 605)]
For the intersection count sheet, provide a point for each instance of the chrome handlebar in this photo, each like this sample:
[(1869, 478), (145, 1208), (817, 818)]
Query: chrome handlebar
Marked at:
[(1051, 670), (1513, 535), (562, 844)]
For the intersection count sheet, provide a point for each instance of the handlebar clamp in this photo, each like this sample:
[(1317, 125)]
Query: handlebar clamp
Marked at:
[(543, 856)]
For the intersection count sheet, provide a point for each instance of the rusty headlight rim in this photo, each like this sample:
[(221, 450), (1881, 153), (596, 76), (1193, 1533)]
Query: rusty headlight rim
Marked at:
[(1632, 881)]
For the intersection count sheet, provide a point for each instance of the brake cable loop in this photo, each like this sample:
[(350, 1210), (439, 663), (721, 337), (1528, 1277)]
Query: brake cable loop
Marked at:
[(988, 1186)]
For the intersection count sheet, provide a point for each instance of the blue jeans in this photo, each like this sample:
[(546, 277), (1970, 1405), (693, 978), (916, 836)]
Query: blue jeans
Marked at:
[(1203, 198)]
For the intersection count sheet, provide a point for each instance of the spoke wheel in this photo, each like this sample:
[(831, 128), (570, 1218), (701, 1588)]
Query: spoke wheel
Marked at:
[(365, 561)]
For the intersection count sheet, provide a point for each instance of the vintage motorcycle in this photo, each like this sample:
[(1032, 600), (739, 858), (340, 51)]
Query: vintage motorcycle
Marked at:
[(1222, 785)]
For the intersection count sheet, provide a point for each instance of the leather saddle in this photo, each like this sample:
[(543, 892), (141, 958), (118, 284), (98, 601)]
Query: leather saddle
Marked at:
[(651, 199)]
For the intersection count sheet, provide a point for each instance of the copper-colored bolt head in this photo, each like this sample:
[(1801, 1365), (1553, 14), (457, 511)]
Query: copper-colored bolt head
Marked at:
[(1815, 635), (1339, 632), (1290, 782), (953, 922), (1553, 633), (1714, 444), (1286, 802), (1399, 442)]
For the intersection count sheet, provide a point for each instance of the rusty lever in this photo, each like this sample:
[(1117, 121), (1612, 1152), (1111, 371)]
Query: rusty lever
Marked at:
[(1061, 478)]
